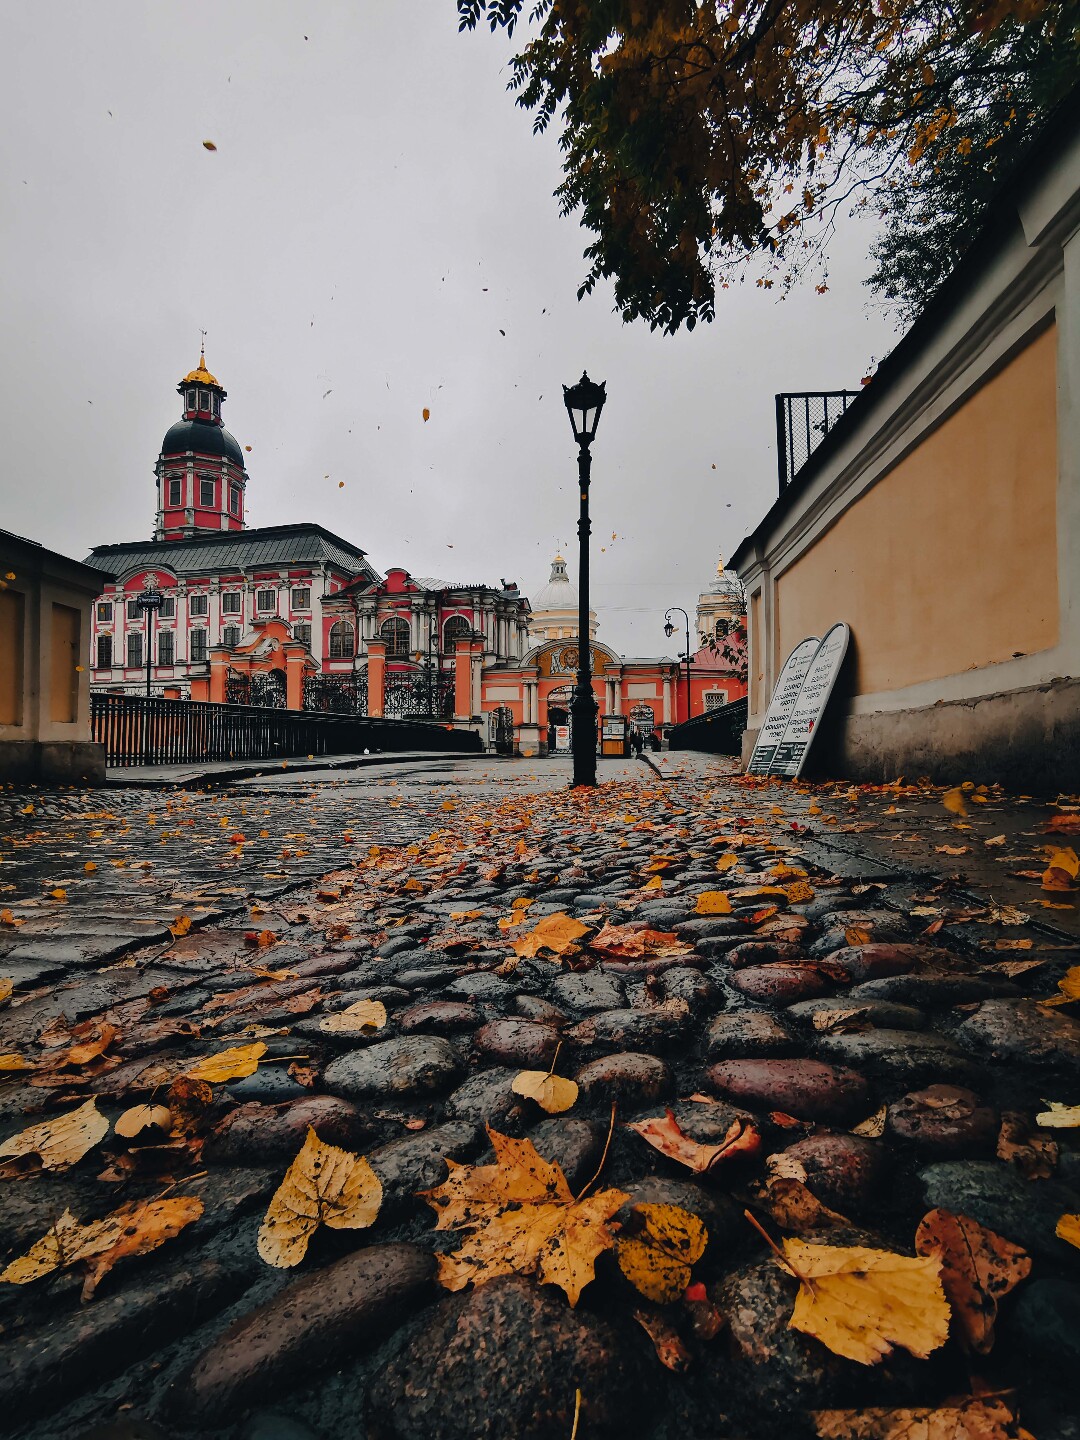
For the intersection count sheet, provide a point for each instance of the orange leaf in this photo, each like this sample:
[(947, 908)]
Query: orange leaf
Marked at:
[(977, 1268), (667, 1137)]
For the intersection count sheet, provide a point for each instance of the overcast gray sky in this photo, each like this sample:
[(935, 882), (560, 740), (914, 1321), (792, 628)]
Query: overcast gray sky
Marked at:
[(374, 235)]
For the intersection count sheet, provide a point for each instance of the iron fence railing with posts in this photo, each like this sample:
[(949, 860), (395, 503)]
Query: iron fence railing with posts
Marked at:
[(337, 694), (719, 731), (802, 422), (138, 731), (418, 693)]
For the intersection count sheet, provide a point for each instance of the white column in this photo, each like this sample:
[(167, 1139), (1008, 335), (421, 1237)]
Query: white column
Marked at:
[(667, 699)]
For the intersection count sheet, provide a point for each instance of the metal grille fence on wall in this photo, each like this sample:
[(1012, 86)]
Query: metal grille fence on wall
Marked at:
[(137, 731), (337, 694), (802, 422), (418, 693)]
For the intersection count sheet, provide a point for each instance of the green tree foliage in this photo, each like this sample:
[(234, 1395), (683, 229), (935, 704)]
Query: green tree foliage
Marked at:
[(701, 135), (933, 209)]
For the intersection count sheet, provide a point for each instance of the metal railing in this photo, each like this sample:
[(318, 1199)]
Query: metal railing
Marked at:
[(803, 419), (337, 694), (138, 731), (719, 731)]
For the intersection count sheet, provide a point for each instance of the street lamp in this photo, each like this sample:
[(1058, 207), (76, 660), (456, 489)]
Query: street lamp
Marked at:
[(584, 402), (669, 630), (149, 602)]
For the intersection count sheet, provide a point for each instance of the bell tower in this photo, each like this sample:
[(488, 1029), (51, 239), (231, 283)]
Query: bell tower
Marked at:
[(201, 478)]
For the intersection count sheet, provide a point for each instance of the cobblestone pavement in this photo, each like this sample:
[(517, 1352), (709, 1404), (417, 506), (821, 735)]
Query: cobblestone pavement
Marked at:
[(864, 1013)]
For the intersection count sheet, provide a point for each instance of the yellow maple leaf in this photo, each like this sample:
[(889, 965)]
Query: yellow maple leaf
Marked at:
[(520, 1217), (712, 902), (799, 892), (138, 1118), (363, 1015), (657, 1259), (322, 1186), (1068, 1228), (1069, 985), (554, 932), (727, 862), (653, 885), (62, 1140), (860, 1303), (232, 1064), (553, 1093), (180, 926)]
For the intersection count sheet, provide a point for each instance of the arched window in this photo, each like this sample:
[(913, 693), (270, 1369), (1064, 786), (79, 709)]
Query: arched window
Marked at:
[(230, 636), (341, 640), (395, 635), (453, 630), (722, 628)]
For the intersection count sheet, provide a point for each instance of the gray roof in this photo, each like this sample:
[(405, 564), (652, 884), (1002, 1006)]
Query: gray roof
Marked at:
[(272, 545)]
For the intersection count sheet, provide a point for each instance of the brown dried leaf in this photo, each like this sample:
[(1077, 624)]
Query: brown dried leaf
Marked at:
[(977, 1268), (975, 1419), (1034, 1155), (670, 1350)]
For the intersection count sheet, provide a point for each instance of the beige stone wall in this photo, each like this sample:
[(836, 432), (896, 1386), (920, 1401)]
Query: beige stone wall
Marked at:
[(949, 562)]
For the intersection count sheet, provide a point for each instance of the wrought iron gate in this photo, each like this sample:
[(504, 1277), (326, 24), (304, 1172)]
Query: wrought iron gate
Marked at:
[(501, 729), (263, 688), (418, 692), (337, 694)]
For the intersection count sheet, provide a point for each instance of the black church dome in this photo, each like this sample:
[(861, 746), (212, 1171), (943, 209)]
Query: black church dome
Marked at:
[(203, 438)]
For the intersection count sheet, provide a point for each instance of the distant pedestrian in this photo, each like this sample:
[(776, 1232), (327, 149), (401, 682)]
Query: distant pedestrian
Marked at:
[(654, 741), (635, 741)]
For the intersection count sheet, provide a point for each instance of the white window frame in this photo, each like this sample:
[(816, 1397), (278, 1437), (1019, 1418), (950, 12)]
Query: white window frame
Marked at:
[(234, 499), (204, 401), (131, 611), (228, 607), (260, 608), (134, 639), (300, 590), (715, 699), (302, 632), (205, 504), (168, 608), (108, 640), (176, 487), (192, 402), (226, 631), (194, 644), (170, 637), (199, 606), (104, 612)]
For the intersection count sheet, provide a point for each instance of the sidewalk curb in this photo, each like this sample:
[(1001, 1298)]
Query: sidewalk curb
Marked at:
[(121, 780)]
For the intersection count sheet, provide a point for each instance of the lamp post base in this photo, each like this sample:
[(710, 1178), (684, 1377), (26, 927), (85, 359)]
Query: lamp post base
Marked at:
[(583, 740)]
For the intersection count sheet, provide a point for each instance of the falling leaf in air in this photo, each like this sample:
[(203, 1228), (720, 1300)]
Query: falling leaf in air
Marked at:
[(209, 145), (519, 1217), (977, 1268), (61, 1141), (322, 1186), (666, 1136), (554, 932), (953, 800), (657, 1249), (426, 413), (712, 902), (1059, 1116), (980, 1418), (363, 1015), (232, 1064), (861, 1303), (1068, 1228), (135, 1229)]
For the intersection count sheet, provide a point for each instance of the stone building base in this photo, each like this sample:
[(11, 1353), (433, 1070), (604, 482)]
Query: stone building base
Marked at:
[(1026, 740), (45, 762)]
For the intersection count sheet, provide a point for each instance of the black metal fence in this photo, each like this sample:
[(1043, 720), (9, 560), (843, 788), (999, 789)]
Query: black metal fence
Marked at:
[(719, 732), (345, 694), (137, 731), (418, 692), (802, 422)]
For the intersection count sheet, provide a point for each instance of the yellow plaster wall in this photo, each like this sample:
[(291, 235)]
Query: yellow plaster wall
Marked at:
[(949, 562)]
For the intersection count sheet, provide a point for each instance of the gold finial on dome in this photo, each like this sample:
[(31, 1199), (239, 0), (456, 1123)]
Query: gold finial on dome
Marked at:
[(720, 566), (201, 376)]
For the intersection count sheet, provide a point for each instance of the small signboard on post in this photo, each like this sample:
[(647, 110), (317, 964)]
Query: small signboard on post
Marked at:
[(805, 717), (781, 705)]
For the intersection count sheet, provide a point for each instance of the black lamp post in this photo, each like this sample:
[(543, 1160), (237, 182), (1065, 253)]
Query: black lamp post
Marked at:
[(149, 602), (584, 402), (669, 630)]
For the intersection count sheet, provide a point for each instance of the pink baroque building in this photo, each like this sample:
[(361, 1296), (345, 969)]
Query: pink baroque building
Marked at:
[(237, 603)]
